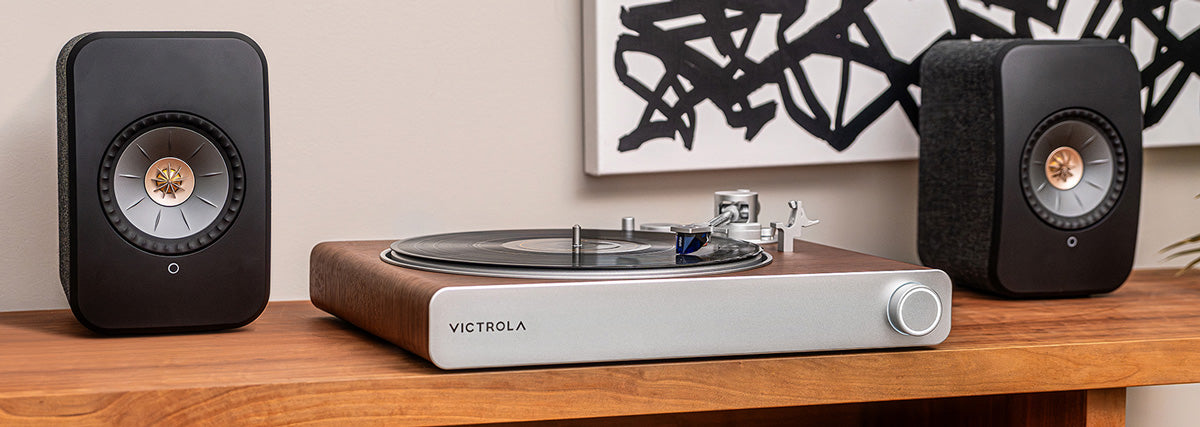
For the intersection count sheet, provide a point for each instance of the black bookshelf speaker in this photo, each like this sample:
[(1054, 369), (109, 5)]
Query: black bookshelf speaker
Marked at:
[(164, 193), (1030, 166)]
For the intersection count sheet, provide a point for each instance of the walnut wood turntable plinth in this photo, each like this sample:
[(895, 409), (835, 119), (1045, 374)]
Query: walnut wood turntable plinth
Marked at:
[(1047, 362), (343, 271), (818, 298)]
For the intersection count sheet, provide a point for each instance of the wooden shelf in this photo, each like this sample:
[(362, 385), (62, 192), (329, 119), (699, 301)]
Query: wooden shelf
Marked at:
[(298, 364)]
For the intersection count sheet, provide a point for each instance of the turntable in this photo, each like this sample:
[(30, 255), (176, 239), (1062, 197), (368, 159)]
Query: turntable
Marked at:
[(552, 296)]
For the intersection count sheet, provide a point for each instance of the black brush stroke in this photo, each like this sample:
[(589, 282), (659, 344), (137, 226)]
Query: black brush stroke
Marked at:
[(715, 83)]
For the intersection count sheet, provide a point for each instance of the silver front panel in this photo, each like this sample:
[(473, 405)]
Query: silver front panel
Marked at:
[(535, 324)]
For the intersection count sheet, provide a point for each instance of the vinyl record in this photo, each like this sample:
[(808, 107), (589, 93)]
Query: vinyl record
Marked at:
[(552, 248)]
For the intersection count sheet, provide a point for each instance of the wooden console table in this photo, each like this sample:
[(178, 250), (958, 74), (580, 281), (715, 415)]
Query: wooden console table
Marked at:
[(1061, 362)]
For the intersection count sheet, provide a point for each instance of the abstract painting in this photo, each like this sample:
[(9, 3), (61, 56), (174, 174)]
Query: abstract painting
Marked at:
[(710, 84)]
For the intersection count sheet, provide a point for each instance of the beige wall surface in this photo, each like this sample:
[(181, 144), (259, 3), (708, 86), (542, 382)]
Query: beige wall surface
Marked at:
[(401, 118)]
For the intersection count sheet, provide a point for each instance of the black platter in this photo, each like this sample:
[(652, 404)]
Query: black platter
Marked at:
[(549, 254)]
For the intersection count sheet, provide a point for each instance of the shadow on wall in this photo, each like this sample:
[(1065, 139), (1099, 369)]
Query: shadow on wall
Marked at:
[(29, 197)]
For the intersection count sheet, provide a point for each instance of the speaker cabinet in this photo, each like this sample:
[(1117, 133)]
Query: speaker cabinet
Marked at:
[(164, 193), (1031, 164)]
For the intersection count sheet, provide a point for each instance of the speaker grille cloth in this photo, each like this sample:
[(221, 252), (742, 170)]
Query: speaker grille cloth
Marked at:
[(64, 187), (959, 158)]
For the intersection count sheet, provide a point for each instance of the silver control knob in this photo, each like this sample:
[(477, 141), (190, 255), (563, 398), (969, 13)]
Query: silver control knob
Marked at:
[(915, 309)]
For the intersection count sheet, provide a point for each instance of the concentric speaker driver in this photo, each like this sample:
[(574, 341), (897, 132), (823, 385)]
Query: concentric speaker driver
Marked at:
[(1073, 168), (171, 183)]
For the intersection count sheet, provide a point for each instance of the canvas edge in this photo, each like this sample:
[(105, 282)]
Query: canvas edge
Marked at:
[(591, 130)]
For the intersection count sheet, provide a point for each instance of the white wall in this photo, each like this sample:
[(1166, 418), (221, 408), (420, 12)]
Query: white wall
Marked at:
[(400, 118)]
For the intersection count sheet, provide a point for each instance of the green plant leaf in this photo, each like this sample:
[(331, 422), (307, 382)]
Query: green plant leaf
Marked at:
[(1192, 239), (1192, 264), (1188, 240), (1182, 253), (1188, 267)]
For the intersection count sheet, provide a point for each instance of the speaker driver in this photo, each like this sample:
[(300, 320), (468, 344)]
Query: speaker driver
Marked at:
[(1073, 168), (171, 183)]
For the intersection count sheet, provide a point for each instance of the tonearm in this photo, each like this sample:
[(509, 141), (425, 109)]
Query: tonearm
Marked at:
[(736, 217)]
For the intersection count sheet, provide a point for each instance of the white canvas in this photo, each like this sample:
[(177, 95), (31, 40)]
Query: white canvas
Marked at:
[(900, 30)]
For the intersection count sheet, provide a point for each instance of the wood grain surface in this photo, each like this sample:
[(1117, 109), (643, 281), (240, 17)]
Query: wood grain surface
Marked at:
[(1062, 408), (298, 364), (1105, 407)]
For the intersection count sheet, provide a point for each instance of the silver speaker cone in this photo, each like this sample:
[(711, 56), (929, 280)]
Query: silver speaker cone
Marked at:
[(171, 182)]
